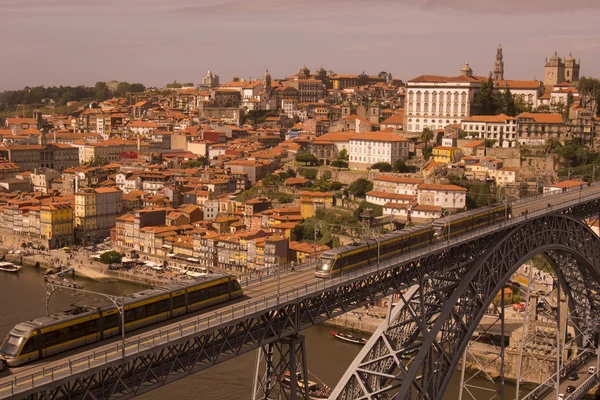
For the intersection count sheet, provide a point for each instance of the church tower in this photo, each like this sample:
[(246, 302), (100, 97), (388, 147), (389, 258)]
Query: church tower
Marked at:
[(267, 82), (42, 140), (499, 65), (571, 69)]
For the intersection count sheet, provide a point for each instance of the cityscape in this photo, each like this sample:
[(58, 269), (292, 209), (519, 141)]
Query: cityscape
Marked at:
[(342, 233)]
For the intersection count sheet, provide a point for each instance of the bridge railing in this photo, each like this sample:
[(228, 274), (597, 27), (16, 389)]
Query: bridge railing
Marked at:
[(174, 332), (585, 387), (552, 194)]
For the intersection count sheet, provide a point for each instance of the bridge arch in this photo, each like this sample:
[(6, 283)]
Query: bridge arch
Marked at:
[(558, 238)]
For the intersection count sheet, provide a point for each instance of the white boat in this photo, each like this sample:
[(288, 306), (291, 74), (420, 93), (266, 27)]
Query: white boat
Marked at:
[(9, 267), (349, 338), (316, 391)]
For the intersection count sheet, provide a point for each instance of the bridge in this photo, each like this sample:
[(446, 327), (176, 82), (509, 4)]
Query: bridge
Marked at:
[(445, 290)]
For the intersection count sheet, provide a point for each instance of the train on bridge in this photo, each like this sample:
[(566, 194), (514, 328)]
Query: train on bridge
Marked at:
[(46, 336), (344, 258)]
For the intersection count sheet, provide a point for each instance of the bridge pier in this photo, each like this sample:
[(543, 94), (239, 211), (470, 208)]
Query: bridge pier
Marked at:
[(281, 370)]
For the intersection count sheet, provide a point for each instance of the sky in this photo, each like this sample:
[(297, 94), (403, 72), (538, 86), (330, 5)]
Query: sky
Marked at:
[(73, 42)]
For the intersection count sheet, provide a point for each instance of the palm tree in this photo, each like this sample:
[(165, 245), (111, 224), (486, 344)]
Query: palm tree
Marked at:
[(426, 136)]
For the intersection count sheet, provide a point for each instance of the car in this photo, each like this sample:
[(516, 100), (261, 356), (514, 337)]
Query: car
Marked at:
[(592, 370), (573, 376), (571, 389), (561, 396)]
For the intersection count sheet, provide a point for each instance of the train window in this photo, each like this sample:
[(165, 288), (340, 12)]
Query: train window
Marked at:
[(11, 345), (164, 305), (30, 345), (152, 308), (140, 312), (130, 315), (51, 338), (111, 321), (223, 288), (179, 301)]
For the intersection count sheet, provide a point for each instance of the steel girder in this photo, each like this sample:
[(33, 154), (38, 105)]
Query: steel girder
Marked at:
[(420, 350), (438, 276)]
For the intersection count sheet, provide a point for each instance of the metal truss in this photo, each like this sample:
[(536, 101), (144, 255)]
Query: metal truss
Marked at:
[(283, 359), (436, 326), (431, 332)]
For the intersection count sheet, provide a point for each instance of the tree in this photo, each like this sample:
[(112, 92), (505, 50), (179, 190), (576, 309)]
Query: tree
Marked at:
[(102, 92), (307, 158), (427, 136), (270, 180), (96, 162), (508, 103), (137, 88), (427, 151), (290, 173), (339, 164), (489, 143), (123, 88), (487, 100), (343, 155), (401, 167), (111, 257), (360, 187), (589, 88), (308, 173), (382, 166)]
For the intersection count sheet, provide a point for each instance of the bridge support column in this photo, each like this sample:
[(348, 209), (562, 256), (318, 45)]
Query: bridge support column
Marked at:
[(281, 370)]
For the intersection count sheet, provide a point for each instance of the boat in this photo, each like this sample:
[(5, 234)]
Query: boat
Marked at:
[(9, 267), (349, 337), (315, 390)]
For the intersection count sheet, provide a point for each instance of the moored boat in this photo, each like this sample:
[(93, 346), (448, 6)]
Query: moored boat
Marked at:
[(347, 337), (315, 390), (9, 267)]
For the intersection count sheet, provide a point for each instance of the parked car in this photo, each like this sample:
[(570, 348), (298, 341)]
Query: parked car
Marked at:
[(573, 376), (592, 370), (571, 389)]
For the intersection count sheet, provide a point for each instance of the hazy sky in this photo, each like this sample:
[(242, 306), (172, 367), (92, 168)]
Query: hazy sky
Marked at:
[(70, 42)]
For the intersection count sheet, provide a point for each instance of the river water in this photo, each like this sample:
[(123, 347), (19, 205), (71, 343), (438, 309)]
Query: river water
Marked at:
[(22, 298)]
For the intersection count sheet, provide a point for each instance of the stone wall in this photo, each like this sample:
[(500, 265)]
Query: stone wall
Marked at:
[(538, 167), (510, 156)]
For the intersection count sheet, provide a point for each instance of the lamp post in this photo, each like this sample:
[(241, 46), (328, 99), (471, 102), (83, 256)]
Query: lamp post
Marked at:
[(118, 301), (315, 241), (569, 175)]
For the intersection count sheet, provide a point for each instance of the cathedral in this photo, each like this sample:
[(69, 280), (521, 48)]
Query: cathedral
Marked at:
[(558, 70)]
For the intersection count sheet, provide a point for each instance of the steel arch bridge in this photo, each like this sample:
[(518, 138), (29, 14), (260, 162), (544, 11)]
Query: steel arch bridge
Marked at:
[(432, 330)]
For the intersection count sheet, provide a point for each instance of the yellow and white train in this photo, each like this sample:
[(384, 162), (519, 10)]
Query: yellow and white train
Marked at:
[(46, 336)]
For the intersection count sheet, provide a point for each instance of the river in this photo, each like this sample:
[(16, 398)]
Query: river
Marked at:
[(23, 298)]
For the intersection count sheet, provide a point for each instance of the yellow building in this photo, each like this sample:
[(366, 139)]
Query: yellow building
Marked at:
[(310, 202), (57, 225), (446, 155)]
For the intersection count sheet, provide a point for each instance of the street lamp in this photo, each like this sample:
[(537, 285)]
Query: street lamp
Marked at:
[(315, 241), (118, 301), (569, 175)]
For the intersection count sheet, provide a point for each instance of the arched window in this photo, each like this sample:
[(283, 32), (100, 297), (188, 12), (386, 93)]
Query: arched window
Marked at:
[(448, 97), (455, 108), (456, 97), (418, 107), (418, 97), (426, 97), (441, 108), (411, 96), (426, 107), (463, 97), (434, 96)]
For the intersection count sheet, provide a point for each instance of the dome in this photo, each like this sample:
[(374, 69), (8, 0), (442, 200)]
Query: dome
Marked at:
[(375, 103), (466, 68), (555, 57), (570, 58), (346, 104)]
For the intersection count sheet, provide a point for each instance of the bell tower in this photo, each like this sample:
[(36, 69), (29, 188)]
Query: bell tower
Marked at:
[(499, 65), (267, 82)]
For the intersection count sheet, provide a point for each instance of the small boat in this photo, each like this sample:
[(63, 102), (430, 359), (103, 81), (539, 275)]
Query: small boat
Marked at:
[(349, 337), (315, 390), (9, 267)]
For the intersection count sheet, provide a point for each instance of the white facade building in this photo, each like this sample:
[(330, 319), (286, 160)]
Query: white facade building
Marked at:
[(396, 184), (369, 148), (437, 101), (501, 128), (449, 197)]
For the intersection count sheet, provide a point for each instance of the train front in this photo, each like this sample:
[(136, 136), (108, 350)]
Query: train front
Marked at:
[(12, 345), (325, 264)]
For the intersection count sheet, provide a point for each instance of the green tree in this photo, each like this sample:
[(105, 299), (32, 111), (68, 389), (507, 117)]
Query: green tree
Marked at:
[(102, 92), (401, 167), (489, 143), (290, 173), (97, 161), (487, 100), (339, 164), (270, 180), (308, 173), (343, 155), (307, 158), (137, 88), (427, 151), (122, 89), (111, 257), (427, 136), (382, 166), (589, 88), (508, 103), (360, 187), (174, 85)]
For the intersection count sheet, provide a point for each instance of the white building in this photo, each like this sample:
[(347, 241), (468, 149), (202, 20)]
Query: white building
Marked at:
[(501, 128), (382, 198), (396, 184), (369, 148), (437, 101), (449, 197), (528, 91)]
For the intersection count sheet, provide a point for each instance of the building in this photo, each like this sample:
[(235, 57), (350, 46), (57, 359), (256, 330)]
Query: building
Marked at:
[(446, 154), (369, 148), (449, 197), (438, 101), (558, 70), (328, 146), (499, 65), (500, 128), (56, 223), (49, 155), (310, 202), (530, 92), (110, 150), (396, 184), (564, 186), (535, 129), (96, 211)]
